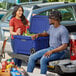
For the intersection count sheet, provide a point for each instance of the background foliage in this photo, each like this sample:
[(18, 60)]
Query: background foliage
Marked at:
[(5, 5)]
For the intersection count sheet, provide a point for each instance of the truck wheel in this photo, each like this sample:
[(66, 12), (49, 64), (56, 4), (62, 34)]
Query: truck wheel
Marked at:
[(58, 70), (32, 51)]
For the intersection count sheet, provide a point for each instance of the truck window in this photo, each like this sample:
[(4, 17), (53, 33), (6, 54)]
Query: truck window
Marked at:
[(67, 13)]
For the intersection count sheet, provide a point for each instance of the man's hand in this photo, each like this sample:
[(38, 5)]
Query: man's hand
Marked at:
[(47, 54), (34, 36)]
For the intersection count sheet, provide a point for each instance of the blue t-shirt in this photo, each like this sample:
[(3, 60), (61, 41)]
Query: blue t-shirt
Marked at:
[(58, 36)]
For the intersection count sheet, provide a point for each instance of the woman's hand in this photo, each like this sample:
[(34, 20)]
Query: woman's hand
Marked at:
[(18, 31), (34, 36), (11, 31), (28, 24)]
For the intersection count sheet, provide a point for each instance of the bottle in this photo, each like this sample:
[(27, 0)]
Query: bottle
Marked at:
[(3, 65), (12, 62)]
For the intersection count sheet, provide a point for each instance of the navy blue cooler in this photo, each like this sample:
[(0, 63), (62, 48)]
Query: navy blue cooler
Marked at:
[(25, 45)]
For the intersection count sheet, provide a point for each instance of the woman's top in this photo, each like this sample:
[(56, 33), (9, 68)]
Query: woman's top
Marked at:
[(17, 23)]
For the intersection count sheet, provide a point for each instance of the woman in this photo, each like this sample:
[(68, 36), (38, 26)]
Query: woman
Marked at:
[(17, 26)]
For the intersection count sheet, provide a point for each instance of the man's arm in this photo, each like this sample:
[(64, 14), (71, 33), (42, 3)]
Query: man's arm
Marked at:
[(60, 48), (39, 35), (43, 34)]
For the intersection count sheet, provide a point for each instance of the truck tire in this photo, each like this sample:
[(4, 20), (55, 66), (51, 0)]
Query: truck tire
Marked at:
[(56, 69)]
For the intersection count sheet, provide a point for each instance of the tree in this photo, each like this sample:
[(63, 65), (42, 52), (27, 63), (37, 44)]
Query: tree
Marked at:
[(53, 0), (24, 0)]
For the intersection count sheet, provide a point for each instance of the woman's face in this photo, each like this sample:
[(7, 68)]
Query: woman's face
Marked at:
[(19, 12)]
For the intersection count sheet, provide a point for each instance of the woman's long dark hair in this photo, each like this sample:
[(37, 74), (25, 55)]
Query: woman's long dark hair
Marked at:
[(22, 17)]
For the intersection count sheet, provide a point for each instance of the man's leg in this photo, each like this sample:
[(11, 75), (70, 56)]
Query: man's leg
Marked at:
[(34, 57), (44, 60)]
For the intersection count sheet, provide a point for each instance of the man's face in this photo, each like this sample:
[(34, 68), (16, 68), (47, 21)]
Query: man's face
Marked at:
[(51, 21)]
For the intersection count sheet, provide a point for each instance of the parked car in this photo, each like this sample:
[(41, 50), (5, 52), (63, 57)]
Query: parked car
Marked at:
[(68, 11), (2, 12)]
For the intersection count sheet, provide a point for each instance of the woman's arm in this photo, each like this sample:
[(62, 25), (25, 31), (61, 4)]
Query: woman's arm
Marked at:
[(14, 33)]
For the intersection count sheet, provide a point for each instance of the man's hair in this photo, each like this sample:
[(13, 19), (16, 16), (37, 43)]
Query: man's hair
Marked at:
[(55, 15)]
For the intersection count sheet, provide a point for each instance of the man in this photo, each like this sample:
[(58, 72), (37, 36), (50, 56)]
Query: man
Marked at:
[(58, 41)]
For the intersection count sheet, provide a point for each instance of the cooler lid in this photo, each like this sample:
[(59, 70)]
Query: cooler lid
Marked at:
[(39, 24)]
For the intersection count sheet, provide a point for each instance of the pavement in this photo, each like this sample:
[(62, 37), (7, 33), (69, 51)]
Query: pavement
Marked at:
[(36, 71)]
